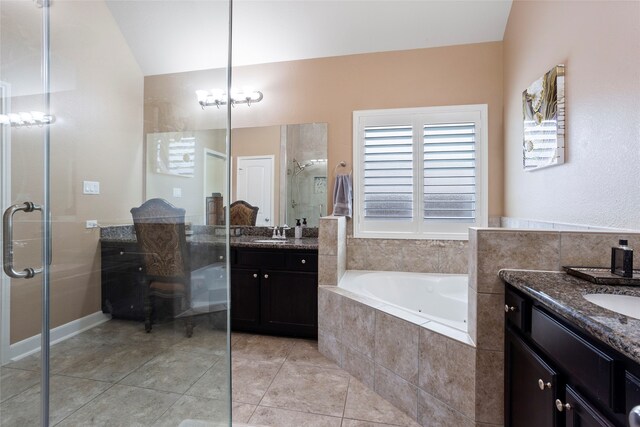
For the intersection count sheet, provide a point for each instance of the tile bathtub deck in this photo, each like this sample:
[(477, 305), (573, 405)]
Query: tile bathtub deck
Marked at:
[(115, 374)]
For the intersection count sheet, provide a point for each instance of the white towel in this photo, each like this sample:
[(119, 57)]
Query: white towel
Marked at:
[(342, 196)]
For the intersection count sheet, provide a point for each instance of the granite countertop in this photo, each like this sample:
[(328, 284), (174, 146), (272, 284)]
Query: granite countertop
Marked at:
[(125, 235), (562, 295), (289, 243)]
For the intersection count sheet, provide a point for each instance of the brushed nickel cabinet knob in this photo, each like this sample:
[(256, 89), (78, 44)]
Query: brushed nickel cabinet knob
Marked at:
[(303, 261), (562, 406), (508, 308), (255, 275), (542, 385), (266, 276)]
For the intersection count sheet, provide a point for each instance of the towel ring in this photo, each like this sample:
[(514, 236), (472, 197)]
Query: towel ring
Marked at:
[(341, 164)]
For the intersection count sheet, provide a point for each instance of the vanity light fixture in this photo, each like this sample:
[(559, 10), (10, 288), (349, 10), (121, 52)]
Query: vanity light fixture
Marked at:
[(217, 97), (33, 118)]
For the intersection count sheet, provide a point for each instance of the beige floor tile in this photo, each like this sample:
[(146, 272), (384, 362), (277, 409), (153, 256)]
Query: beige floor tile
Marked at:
[(242, 412), (357, 423), (110, 363), (306, 352), (276, 417), (196, 409), (213, 384), (365, 405), (250, 380), (172, 370), (123, 405), (67, 395), (205, 340), (15, 381), (308, 389), (262, 347)]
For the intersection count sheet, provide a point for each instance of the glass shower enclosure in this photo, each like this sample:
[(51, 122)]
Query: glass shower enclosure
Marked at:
[(103, 321)]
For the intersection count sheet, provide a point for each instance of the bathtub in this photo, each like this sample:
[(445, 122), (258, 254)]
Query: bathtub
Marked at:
[(419, 297)]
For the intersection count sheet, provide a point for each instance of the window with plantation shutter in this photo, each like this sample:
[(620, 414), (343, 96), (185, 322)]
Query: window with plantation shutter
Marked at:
[(450, 172), (388, 172), (420, 172)]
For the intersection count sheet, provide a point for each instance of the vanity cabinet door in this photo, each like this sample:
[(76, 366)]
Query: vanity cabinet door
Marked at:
[(245, 298), (580, 413), (122, 282), (290, 302), (530, 386)]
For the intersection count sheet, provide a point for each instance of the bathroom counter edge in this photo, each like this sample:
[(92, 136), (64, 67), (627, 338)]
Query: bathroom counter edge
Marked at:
[(562, 294)]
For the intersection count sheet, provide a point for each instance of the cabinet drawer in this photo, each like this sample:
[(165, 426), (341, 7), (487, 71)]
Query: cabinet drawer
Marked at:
[(588, 366), (516, 310), (302, 261), (581, 413), (262, 259)]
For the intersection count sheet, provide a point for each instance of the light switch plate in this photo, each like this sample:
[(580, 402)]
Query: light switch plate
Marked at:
[(92, 223), (177, 192), (90, 187)]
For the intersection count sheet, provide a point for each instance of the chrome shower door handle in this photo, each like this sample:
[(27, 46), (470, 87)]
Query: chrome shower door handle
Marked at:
[(7, 241)]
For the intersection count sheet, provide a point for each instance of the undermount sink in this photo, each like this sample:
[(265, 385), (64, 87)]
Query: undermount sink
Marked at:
[(623, 304), (270, 241)]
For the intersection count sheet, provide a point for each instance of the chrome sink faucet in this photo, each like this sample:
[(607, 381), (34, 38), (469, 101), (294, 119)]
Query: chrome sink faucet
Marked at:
[(280, 235)]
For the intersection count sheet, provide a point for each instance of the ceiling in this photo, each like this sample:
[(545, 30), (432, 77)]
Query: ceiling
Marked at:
[(174, 36)]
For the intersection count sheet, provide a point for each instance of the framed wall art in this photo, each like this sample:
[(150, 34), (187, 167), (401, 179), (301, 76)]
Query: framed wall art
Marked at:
[(543, 112)]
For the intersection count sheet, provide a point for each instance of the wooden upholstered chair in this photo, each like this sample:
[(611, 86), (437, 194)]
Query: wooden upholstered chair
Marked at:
[(242, 213), (160, 233)]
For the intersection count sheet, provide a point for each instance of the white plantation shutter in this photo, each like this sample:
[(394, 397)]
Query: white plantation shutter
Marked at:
[(388, 172), (420, 173), (450, 172)]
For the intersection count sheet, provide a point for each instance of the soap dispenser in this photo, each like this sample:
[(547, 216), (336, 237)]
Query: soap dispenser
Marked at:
[(304, 222), (298, 229), (622, 259)]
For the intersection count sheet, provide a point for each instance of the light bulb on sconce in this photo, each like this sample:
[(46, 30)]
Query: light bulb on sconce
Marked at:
[(217, 97), (24, 119)]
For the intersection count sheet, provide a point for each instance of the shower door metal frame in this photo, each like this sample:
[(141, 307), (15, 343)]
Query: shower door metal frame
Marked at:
[(5, 190)]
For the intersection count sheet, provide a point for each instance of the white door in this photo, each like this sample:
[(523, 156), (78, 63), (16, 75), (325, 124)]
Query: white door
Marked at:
[(255, 185)]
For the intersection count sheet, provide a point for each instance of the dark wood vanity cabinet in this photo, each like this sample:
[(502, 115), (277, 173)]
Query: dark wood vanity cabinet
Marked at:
[(275, 291), (122, 281), (557, 375)]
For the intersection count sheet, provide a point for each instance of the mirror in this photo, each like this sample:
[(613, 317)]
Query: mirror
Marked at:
[(280, 169)]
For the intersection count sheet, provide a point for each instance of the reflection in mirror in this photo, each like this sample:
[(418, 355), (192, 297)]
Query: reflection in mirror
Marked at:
[(280, 169), (305, 146), (184, 166)]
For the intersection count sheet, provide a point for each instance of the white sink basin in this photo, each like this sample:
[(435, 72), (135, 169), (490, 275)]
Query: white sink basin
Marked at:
[(623, 304), (269, 241)]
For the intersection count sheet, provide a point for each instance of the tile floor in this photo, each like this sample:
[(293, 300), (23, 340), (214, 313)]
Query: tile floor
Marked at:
[(117, 375)]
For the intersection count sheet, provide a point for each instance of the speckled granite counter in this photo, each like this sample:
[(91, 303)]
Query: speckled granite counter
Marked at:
[(562, 295), (125, 234)]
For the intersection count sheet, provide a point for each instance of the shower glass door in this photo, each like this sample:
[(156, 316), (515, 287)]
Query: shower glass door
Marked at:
[(104, 322)]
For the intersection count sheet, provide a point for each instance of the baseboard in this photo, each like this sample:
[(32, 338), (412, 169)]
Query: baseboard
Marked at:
[(31, 345)]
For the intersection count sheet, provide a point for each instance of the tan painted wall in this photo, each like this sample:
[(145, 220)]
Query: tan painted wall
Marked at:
[(599, 42), (258, 141), (98, 102), (330, 89)]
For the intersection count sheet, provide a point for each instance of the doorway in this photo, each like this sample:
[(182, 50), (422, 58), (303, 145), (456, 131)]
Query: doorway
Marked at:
[(255, 185)]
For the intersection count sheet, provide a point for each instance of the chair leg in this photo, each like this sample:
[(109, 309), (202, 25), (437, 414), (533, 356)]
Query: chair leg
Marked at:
[(147, 313), (189, 326)]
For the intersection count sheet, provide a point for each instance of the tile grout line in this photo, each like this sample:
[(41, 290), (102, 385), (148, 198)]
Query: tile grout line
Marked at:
[(86, 403)]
